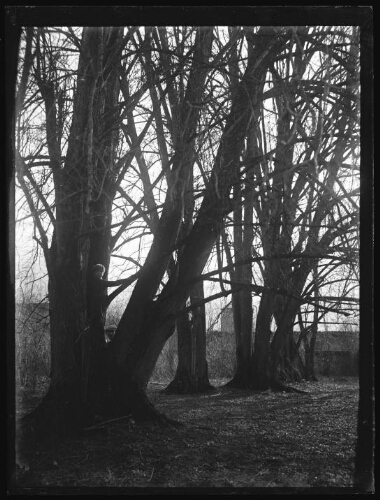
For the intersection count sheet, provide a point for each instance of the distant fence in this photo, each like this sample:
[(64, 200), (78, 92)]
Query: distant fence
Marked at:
[(336, 352)]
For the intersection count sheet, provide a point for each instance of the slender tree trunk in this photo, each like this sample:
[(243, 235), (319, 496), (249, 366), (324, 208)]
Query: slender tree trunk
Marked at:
[(242, 300), (310, 344), (261, 378)]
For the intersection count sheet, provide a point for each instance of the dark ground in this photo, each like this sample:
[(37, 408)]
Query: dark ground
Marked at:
[(230, 438)]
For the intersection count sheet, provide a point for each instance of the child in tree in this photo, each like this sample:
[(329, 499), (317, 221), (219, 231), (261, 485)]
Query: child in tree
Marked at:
[(98, 272)]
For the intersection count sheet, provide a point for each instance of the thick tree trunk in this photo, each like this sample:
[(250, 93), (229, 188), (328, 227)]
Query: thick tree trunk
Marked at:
[(84, 193), (286, 365), (243, 312), (61, 411), (275, 360), (139, 340)]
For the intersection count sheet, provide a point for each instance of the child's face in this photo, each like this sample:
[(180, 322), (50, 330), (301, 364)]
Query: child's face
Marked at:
[(98, 274)]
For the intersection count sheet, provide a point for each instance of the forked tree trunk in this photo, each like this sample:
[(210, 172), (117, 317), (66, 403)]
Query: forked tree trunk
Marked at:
[(274, 358), (286, 363), (192, 371)]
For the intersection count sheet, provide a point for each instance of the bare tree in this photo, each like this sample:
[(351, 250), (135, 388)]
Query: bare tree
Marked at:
[(70, 199), (87, 181), (148, 319), (306, 212)]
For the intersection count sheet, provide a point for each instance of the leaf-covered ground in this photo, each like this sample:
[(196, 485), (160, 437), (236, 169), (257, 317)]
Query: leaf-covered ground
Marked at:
[(230, 439)]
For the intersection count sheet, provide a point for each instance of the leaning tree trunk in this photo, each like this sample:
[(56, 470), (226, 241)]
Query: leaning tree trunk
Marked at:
[(148, 321), (143, 328), (192, 371)]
